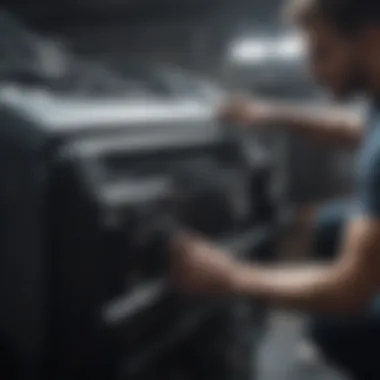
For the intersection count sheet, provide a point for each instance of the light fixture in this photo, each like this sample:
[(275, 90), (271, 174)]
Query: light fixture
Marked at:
[(290, 47), (258, 50), (250, 51)]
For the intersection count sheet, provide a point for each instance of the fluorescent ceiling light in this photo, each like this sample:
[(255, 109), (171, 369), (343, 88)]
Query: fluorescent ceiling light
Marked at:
[(250, 51), (290, 47), (260, 50)]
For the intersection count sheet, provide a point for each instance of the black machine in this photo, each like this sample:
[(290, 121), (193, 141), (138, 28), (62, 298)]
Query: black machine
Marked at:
[(88, 189)]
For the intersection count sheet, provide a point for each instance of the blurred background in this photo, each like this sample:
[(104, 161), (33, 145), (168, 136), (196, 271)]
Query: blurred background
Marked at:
[(170, 48), (144, 50)]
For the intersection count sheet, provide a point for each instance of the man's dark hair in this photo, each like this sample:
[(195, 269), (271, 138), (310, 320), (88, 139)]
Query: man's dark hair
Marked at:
[(346, 15)]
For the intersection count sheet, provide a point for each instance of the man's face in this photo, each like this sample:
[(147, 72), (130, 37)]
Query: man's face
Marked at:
[(333, 60)]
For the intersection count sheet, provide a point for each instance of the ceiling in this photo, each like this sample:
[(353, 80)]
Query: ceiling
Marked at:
[(61, 12)]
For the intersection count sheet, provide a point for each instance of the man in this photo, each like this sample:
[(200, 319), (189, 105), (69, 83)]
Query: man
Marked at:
[(343, 41)]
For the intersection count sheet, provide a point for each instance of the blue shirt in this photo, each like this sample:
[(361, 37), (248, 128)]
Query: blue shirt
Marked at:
[(368, 191)]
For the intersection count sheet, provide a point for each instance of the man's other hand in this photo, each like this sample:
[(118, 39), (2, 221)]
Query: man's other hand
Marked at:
[(199, 267), (245, 112)]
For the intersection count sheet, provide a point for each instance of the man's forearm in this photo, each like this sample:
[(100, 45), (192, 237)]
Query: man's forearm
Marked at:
[(340, 126), (311, 289)]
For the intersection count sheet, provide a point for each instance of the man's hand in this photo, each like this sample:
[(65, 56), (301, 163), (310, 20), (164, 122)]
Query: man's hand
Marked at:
[(199, 267), (245, 112)]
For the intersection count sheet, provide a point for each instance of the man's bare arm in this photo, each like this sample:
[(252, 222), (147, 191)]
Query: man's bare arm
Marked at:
[(345, 286), (342, 126), (321, 123), (342, 287)]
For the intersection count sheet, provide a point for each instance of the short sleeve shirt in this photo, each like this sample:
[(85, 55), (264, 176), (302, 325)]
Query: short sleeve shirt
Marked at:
[(368, 190)]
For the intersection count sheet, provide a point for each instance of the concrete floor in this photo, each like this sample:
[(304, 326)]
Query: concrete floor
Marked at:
[(279, 357)]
